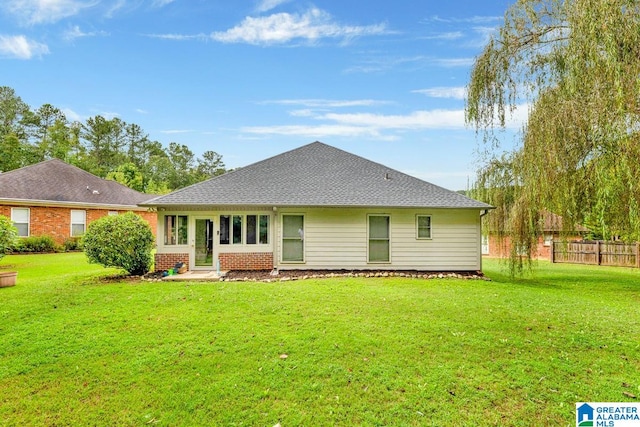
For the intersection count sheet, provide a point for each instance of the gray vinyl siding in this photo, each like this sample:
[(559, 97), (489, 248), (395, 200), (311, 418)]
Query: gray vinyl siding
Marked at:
[(338, 239)]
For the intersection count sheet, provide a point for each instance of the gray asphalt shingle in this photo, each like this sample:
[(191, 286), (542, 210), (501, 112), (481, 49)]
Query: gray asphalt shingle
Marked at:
[(317, 175)]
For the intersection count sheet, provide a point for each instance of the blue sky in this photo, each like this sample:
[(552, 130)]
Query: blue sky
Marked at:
[(250, 79)]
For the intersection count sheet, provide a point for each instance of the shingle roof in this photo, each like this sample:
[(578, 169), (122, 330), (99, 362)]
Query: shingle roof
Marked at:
[(316, 175), (56, 181)]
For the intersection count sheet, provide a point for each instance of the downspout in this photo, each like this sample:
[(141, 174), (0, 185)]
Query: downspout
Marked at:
[(482, 214), (275, 236)]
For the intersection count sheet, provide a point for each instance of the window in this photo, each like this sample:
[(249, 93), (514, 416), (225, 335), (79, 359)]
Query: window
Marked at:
[(264, 229), (175, 229), (224, 229), (113, 213), (423, 223), (20, 218), (237, 229), (233, 230), (379, 238), (78, 222), (257, 229), (548, 239), (251, 230), (292, 238), (485, 244)]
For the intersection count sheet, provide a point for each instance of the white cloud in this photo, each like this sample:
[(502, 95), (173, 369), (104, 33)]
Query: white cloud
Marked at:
[(72, 115), (21, 47), (484, 35), (317, 131), (518, 117), (452, 35), (443, 92), (327, 103), (378, 126), (161, 3), (175, 131), (45, 11), (75, 33), (179, 37), (434, 119), (281, 28), (439, 175), (109, 115), (266, 5), (302, 113), (115, 7), (386, 63), (454, 62), (468, 20)]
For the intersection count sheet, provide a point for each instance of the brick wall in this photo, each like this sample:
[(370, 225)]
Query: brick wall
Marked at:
[(501, 249), (167, 261), (56, 221), (246, 261)]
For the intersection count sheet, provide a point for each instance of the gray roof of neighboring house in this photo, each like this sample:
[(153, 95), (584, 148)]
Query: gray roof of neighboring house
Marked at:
[(316, 175), (61, 183)]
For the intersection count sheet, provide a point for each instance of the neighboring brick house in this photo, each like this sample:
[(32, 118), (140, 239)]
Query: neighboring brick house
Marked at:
[(60, 200), (493, 246)]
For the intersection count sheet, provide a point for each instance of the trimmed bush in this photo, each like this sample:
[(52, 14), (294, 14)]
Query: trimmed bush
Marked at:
[(36, 244), (8, 235), (122, 241), (72, 244)]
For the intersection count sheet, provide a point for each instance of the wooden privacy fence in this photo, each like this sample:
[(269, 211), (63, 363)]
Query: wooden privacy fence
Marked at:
[(596, 253)]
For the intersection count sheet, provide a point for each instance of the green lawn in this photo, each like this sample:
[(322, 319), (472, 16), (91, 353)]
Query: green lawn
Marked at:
[(76, 350)]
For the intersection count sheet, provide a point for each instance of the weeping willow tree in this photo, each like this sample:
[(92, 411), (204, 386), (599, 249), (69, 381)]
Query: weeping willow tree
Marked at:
[(575, 64)]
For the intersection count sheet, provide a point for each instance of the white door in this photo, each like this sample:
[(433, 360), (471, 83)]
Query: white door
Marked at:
[(203, 254)]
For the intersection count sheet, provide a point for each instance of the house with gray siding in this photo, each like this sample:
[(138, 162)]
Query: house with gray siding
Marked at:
[(318, 208)]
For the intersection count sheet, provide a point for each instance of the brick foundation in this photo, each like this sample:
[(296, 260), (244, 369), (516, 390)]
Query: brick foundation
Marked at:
[(246, 261), (167, 261)]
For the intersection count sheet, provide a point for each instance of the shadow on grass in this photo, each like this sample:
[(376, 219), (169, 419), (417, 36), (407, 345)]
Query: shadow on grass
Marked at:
[(566, 276)]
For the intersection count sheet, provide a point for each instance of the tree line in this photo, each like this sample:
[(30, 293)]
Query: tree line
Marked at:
[(108, 148)]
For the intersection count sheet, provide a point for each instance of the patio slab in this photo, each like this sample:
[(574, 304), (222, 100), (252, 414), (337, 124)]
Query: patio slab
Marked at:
[(191, 276)]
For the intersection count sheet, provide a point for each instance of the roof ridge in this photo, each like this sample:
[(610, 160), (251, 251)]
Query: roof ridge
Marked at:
[(318, 174)]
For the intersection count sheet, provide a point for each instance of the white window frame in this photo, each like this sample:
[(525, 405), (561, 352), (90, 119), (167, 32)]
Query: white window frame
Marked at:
[(14, 215), (176, 229), (257, 230), (388, 239), (418, 227), (301, 234), (547, 239), (231, 229), (237, 227), (485, 244), (83, 223), (244, 229)]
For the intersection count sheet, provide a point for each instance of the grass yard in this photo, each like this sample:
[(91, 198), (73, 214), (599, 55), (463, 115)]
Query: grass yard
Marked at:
[(77, 350)]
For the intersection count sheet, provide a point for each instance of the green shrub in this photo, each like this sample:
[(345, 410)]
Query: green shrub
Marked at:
[(72, 244), (123, 241), (8, 235), (36, 244)]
